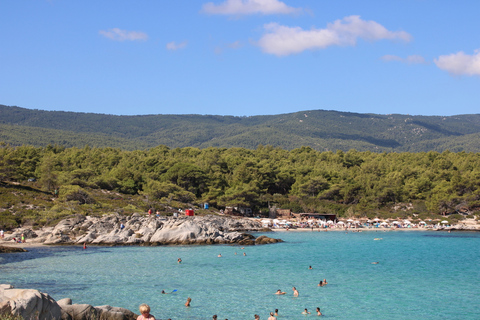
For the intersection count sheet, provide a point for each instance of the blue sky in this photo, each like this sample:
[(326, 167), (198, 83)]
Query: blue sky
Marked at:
[(241, 57)]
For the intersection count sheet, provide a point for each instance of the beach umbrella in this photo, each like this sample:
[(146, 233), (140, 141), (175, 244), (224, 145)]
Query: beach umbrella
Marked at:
[(406, 221), (349, 220), (330, 222), (444, 221), (422, 222), (340, 222), (376, 219)]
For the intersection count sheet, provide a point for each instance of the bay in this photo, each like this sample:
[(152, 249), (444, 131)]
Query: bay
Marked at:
[(419, 275)]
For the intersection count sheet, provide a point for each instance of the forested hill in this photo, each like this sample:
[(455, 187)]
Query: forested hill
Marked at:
[(321, 130)]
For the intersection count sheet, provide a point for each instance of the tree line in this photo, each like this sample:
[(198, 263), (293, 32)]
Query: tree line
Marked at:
[(302, 179)]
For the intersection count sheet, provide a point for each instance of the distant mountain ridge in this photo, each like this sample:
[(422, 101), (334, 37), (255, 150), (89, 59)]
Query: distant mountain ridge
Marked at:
[(319, 129)]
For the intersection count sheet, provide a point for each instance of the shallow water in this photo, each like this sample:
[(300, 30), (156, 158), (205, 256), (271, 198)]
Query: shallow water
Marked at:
[(420, 275)]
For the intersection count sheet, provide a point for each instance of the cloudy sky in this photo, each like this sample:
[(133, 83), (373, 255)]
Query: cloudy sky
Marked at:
[(241, 57)]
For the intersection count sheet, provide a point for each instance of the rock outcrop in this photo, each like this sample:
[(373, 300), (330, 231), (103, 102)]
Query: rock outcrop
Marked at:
[(28, 303), (33, 304), (4, 249), (146, 230)]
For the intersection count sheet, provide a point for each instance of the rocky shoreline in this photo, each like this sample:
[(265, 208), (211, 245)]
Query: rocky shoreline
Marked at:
[(111, 230), (139, 229), (33, 304)]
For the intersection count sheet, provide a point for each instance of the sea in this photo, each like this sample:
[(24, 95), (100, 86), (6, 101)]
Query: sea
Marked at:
[(400, 275)]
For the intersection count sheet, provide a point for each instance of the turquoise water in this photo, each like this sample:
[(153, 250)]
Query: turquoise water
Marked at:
[(420, 275)]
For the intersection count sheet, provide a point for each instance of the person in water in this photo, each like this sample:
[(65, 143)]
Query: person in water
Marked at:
[(280, 292), (305, 311), (276, 312), (145, 312), (320, 284), (271, 317), (325, 282), (187, 304), (179, 260), (295, 292), (318, 311)]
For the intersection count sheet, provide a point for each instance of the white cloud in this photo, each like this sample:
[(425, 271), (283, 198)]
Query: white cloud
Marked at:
[(122, 35), (281, 40), (460, 63), (413, 59), (176, 46), (245, 7)]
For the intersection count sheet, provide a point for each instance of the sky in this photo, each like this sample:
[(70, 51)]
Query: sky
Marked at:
[(241, 57)]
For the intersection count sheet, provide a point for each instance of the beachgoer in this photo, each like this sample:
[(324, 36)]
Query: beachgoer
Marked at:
[(179, 260), (271, 317), (325, 282), (320, 283), (310, 268), (23, 238), (280, 292), (187, 304), (295, 292), (219, 255), (122, 226), (375, 262), (276, 312), (84, 245), (305, 311), (214, 317), (318, 311), (145, 312), (244, 253), (257, 317), (2, 234)]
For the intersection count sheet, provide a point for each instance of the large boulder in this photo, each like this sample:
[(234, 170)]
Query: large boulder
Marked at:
[(28, 303)]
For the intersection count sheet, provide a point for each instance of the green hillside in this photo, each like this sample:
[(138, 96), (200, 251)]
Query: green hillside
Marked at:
[(319, 129)]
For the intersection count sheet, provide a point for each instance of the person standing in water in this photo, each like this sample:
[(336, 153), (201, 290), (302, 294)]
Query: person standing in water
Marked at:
[(318, 311), (295, 292)]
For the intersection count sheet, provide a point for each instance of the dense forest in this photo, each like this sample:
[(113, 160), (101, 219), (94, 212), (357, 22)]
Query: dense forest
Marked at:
[(352, 183), (319, 129)]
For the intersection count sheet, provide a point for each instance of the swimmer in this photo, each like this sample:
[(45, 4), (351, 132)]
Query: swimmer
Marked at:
[(219, 255), (305, 311), (375, 262), (187, 304), (276, 312), (271, 317), (145, 313), (244, 253), (318, 311), (214, 317), (320, 284), (280, 292), (295, 292), (325, 282), (179, 260), (257, 317), (310, 268)]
